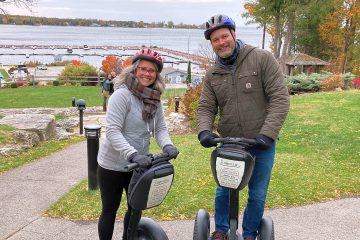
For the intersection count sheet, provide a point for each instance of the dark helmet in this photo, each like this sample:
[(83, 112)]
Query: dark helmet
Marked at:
[(149, 55), (216, 22)]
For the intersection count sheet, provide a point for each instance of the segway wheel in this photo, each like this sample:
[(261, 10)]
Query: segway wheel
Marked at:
[(266, 230), (202, 225), (148, 229)]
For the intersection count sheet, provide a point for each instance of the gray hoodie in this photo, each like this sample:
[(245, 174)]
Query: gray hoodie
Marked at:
[(127, 132)]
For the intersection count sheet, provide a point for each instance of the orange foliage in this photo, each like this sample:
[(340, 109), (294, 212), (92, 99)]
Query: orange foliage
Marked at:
[(190, 102), (75, 62), (332, 82), (127, 62), (109, 64), (337, 32), (250, 7)]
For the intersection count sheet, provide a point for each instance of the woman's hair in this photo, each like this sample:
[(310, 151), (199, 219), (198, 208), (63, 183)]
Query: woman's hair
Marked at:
[(159, 83)]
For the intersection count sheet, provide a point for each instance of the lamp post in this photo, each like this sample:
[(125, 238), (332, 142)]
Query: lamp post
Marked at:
[(35, 67)]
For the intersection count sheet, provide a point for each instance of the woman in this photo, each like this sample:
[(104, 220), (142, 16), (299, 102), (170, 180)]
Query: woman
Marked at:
[(106, 89), (134, 113)]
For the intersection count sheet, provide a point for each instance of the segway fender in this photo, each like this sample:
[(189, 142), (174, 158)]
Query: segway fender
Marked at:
[(266, 229), (148, 229), (202, 225)]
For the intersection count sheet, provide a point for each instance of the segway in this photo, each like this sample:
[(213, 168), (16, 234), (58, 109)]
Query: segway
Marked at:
[(232, 166), (148, 192)]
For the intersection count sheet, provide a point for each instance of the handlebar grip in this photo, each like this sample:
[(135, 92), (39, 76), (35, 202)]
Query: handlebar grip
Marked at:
[(236, 140), (131, 166)]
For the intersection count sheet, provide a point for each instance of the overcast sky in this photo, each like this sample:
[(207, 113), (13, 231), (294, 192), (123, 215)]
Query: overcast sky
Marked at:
[(185, 11)]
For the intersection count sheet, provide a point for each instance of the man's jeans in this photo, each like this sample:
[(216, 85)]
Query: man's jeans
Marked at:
[(258, 187)]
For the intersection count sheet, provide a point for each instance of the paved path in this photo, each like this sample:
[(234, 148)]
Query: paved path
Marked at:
[(28, 191)]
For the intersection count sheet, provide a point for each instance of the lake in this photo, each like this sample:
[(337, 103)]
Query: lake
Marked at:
[(186, 40)]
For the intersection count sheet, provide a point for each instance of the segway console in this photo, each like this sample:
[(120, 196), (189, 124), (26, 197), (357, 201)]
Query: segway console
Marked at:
[(149, 191)]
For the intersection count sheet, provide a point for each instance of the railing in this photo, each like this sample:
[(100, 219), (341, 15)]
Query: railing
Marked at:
[(46, 80)]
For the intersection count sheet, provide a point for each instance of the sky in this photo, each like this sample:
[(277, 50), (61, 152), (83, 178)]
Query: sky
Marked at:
[(185, 11)]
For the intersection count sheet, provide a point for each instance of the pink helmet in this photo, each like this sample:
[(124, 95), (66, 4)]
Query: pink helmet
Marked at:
[(149, 55)]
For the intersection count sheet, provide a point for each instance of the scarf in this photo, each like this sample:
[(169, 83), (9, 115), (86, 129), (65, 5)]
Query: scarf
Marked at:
[(149, 96)]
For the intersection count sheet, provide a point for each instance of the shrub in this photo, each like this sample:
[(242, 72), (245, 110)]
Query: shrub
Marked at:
[(332, 82), (21, 83), (13, 85), (78, 73), (306, 83), (56, 83), (347, 78), (190, 102), (356, 83)]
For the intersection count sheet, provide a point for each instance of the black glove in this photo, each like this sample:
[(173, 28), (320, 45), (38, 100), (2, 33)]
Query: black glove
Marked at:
[(142, 160), (171, 150), (263, 142), (207, 139)]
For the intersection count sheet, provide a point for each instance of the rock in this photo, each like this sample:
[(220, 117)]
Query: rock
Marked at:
[(62, 134), (68, 124), (12, 150), (42, 124), (26, 138)]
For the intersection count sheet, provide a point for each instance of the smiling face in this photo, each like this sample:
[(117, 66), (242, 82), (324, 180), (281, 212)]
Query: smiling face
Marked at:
[(146, 73), (222, 41)]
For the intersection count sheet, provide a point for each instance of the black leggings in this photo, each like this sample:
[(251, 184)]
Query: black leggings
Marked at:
[(111, 185)]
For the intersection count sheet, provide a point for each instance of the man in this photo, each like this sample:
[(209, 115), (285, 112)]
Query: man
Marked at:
[(247, 86)]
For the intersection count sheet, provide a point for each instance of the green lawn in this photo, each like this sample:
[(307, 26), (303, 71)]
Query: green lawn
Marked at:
[(317, 160), (60, 96)]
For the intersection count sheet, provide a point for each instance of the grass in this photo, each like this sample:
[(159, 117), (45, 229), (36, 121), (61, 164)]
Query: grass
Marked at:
[(317, 160), (44, 149), (60, 96), (5, 132)]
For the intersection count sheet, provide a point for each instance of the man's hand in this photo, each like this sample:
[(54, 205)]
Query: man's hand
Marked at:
[(142, 160), (171, 150), (206, 139), (263, 142)]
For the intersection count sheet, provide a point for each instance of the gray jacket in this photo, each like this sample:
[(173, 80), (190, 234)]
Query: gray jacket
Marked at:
[(127, 132)]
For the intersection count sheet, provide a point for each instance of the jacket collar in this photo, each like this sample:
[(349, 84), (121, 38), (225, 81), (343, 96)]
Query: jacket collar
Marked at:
[(222, 69)]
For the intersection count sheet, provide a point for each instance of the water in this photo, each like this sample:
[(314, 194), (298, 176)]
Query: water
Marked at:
[(186, 40)]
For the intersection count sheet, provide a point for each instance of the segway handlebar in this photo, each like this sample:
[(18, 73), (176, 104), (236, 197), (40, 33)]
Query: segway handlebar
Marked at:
[(246, 142), (156, 158)]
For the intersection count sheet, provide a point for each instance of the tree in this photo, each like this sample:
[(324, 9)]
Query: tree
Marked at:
[(256, 15), (306, 31), (188, 76), (109, 64), (270, 15), (339, 32), (18, 3), (127, 62)]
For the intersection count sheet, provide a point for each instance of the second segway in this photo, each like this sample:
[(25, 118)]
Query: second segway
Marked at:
[(232, 166)]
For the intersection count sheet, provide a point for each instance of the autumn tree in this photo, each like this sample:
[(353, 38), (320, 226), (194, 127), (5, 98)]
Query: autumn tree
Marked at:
[(257, 14), (270, 15), (127, 62), (111, 63), (340, 32)]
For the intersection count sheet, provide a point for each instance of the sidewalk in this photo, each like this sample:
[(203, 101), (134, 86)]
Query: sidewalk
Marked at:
[(29, 190)]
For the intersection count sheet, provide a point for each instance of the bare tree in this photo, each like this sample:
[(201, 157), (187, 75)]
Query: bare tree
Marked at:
[(205, 50), (18, 3)]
